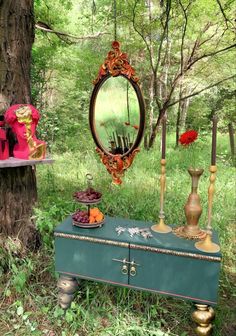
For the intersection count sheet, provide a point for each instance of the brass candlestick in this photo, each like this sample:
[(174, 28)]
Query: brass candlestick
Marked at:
[(162, 227), (207, 245)]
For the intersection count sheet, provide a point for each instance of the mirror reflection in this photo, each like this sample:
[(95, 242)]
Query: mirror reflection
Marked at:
[(117, 115)]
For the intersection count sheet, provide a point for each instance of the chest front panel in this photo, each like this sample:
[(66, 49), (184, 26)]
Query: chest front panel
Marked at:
[(91, 260), (185, 277)]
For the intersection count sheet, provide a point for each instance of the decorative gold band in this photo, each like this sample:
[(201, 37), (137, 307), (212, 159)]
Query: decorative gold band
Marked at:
[(138, 247), (91, 239), (176, 253)]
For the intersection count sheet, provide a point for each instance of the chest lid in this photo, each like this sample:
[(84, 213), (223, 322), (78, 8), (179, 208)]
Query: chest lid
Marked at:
[(107, 234)]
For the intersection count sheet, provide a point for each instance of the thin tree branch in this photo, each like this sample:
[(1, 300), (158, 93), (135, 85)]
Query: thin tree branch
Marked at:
[(210, 37), (209, 55), (204, 89), (184, 32), (141, 35), (223, 13), (165, 32), (44, 27), (197, 42), (149, 52)]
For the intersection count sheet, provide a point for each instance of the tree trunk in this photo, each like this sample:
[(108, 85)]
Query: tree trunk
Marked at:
[(177, 130), (156, 127), (17, 185), (151, 102), (17, 36), (232, 143), (184, 111)]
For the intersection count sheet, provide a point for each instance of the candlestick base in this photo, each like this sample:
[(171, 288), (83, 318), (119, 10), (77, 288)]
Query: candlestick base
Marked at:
[(161, 227), (181, 232), (207, 245)]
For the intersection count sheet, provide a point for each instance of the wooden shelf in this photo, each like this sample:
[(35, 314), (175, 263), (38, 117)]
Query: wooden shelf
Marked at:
[(14, 162)]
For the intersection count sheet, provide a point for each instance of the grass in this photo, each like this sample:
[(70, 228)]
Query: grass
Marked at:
[(28, 299)]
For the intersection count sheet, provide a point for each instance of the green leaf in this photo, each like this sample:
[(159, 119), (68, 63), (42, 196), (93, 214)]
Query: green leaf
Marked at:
[(69, 316), (20, 310), (58, 312), (7, 293)]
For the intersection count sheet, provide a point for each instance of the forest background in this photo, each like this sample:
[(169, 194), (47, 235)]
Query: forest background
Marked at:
[(183, 52)]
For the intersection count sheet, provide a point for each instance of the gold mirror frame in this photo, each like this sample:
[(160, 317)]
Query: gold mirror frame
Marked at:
[(116, 64)]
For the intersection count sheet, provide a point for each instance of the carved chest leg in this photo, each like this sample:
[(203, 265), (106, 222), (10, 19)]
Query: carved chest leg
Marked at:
[(203, 316), (67, 287)]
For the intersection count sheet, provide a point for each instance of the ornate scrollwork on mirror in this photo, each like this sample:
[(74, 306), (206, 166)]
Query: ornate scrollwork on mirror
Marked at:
[(117, 113)]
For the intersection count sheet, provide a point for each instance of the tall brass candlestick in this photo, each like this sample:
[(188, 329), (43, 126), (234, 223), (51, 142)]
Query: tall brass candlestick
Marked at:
[(207, 245), (162, 227)]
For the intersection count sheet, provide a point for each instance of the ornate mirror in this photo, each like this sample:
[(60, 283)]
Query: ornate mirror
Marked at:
[(117, 113)]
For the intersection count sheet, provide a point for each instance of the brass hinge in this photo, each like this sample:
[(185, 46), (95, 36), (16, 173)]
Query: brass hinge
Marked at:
[(124, 261)]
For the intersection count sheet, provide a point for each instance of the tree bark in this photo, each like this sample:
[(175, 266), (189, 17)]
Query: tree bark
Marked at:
[(155, 129), (17, 36), (18, 191), (177, 131), (151, 101), (232, 143)]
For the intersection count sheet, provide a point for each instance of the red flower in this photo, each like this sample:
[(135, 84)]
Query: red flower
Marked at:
[(188, 137), (135, 127)]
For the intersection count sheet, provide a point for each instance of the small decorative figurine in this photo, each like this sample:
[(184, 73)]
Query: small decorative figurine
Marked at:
[(144, 232), (4, 146), (23, 118)]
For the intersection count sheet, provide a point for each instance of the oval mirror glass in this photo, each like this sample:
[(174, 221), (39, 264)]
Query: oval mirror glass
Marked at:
[(117, 115)]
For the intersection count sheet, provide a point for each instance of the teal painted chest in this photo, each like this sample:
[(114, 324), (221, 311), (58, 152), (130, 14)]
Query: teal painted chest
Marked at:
[(163, 264)]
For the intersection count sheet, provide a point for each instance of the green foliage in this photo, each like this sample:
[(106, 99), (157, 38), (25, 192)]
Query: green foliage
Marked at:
[(62, 73), (14, 261)]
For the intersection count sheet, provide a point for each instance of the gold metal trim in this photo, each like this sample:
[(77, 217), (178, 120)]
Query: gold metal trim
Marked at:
[(176, 253), (90, 239)]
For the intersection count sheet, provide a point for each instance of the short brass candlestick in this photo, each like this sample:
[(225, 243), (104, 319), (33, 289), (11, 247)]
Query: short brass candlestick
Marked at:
[(207, 245), (162, 227)]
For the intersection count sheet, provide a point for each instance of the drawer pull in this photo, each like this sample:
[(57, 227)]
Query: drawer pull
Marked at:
[(128, 267), (124, 269), (132, 271)]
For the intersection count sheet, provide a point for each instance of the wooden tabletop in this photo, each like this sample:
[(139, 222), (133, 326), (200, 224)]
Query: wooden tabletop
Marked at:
[(14, 162)]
